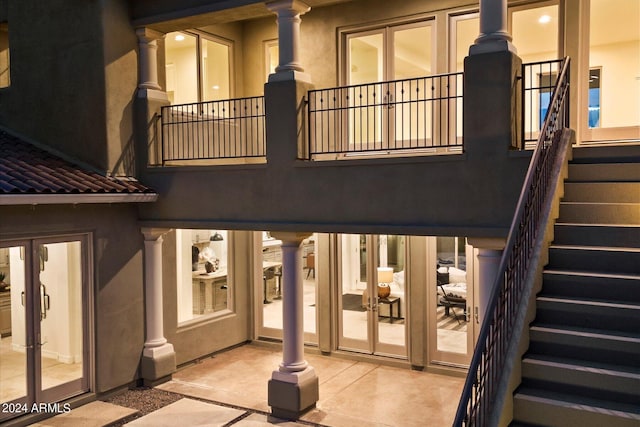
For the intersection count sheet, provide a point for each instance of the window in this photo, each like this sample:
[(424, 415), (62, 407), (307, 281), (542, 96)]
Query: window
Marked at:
[(271, 56), (203, 273), (198, 68), (594, 97), (5, 80)]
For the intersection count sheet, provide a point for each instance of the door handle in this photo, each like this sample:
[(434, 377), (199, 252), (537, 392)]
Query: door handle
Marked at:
[(45, 301)]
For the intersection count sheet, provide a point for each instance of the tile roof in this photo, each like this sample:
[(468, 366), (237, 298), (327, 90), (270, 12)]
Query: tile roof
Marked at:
[(29, 170)]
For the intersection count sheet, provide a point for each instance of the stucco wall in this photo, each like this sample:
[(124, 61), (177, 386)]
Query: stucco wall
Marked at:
[(117, 277), (73, 77), (470, 194), (222, 331)]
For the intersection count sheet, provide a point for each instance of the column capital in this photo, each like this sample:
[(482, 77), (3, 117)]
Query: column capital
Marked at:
[(148, 35), (491, 243), (296, 6), (291, 237), (152, 233)]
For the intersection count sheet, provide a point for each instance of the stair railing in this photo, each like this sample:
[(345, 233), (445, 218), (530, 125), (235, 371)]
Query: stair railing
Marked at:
[(487, 364)]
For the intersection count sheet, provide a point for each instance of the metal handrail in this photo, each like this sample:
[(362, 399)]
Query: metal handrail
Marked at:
[(487, 364), (539, 79), (225, 129), (390, 116)]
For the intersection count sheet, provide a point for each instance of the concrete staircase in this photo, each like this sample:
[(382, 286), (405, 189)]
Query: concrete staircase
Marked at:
[(582, 367)]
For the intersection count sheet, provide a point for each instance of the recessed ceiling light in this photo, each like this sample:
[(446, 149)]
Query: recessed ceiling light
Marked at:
[(179, 37), (544, 19), (215, 87)]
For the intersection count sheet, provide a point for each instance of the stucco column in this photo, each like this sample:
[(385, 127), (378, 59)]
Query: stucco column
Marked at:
[(148, 62), (494, 36), (288, 11), (487, 264), (293, 388), (158, 356)]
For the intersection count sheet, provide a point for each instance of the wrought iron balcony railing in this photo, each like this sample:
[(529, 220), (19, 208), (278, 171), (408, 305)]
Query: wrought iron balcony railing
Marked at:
[(400, 116), (226, 129)]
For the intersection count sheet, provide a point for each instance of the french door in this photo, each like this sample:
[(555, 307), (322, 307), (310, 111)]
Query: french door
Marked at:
[(383, 110), (371, 294), (451, 319), (44, 349)]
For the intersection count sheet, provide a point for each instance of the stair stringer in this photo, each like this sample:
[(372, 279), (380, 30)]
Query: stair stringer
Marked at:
[(502, 414)]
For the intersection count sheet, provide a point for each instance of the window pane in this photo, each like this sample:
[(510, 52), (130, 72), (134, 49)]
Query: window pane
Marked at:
[(451, 300), (614, 54), (61, 321), (202, 272), (215, 71), (535, 33), (181, 68), (271, 282), (13, 340), (4, 55)]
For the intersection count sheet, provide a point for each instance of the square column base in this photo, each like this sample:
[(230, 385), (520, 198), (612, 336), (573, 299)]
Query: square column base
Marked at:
[(290, 400), (158, 364)]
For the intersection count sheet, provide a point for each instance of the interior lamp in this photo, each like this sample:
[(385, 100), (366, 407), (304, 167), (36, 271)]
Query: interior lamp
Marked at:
[(217, 237), (385, 277)]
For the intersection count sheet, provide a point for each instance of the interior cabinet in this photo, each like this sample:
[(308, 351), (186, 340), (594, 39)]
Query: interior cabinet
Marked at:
[(5, 314)]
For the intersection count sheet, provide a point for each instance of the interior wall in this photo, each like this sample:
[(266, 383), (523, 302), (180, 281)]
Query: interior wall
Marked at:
[(620, 65)]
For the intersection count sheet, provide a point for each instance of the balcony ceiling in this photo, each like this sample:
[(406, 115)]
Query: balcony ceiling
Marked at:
[(171, 15)]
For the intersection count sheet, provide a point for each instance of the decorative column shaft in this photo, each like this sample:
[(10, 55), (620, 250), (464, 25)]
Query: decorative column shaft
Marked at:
[(148, 58), (292, 309), (288, 12), (494, 36), (153, 288), (488, 264), (293, 388), (158, 356)]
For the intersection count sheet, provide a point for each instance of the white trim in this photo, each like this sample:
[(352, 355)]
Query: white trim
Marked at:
[(64, 199)]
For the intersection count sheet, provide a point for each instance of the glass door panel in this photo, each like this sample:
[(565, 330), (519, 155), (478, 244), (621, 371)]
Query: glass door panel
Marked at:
[(614, 67), (390, 324), (535, 32), (411, 57), (60, 329), (452, 298), (365, 62), (13, 340), (353, 293)]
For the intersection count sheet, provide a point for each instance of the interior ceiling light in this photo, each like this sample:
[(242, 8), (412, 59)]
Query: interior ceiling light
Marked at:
[(544, 19), (179, 37)]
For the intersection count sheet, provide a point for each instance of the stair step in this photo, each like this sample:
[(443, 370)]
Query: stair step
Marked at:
[(597, 235), (603, 287), (589, 314), (541, 407), (604, 172), (585, 378), (602, 192), (595, 259), (584, 344), (621, 153), (599, 213)]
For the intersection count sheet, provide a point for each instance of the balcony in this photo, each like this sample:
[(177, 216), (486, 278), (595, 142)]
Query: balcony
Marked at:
[(212, 132), (400, 118)]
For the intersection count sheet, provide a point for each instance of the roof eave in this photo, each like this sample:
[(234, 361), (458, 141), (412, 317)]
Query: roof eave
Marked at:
[(72, 199)]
